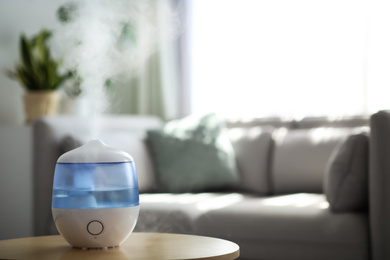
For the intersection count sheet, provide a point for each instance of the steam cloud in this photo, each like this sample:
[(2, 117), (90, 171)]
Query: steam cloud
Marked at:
[(110, 39)]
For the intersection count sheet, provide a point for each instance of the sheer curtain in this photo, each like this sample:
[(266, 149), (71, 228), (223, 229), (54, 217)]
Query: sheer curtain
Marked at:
[(158, 81), (290, 58), (153, 88)]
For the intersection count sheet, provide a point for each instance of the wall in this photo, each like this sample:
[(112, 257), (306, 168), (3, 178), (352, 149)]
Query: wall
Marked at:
[(16, 17), (15, 182)]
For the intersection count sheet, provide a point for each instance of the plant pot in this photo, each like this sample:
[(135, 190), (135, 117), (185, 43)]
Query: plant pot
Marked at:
[(39, 103)]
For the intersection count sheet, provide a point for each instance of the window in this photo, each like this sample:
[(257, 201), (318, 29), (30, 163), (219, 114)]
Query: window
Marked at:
[(289, 58)]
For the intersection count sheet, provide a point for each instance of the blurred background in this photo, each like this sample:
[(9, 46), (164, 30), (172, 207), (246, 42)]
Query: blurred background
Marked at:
[(171, 58), (237, 58)]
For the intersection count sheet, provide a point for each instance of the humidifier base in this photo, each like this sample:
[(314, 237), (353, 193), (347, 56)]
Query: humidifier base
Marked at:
[(95, 228)]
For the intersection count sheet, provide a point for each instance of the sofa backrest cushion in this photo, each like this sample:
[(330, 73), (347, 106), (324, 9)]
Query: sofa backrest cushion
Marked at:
[(350, 121), (252, 122), (300, 158), (346, 178), (252, 147)]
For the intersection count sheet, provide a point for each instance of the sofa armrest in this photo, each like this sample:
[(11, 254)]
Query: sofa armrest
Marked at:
[(379, 185)]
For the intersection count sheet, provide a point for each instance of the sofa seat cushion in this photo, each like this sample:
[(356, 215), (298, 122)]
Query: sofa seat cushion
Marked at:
[(173, 213), (290, 225), (274, 227)]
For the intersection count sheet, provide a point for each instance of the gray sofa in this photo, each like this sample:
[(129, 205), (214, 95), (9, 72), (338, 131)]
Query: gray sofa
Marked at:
[(280, 209)]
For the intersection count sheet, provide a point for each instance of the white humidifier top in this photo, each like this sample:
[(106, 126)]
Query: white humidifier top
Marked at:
[(95, 151)]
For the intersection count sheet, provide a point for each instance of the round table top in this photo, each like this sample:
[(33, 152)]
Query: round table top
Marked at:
[(137, 246)]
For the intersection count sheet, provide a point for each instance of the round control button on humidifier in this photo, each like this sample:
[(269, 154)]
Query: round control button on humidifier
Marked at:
[(95, 227), (95, 196)]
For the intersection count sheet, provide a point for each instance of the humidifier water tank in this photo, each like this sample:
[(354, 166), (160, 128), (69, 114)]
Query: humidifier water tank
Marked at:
[(95, 200)]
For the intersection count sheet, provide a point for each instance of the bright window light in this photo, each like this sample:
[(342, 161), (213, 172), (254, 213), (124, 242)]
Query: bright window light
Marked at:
[(281, 57)]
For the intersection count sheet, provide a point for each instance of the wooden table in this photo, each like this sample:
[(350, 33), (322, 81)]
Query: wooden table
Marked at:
[(138, 246)]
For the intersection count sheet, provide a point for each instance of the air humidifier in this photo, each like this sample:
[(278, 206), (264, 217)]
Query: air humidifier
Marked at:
[(95, 196)]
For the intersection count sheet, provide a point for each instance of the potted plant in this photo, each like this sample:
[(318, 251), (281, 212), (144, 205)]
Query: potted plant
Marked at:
[(39, 74)]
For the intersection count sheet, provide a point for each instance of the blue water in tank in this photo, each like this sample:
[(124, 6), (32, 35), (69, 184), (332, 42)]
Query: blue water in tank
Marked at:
[(95, 185)]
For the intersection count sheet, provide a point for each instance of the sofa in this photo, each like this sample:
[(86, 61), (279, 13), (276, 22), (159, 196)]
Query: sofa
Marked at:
[(295, 198)]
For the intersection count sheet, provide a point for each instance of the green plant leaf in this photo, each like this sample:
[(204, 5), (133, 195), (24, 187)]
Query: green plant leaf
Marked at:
[(37, 70), (25, 51), (67, 12), (10, 74), (40, 44), (26, 78)]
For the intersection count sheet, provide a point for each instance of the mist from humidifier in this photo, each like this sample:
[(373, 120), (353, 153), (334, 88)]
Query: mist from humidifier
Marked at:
[(109, 41)]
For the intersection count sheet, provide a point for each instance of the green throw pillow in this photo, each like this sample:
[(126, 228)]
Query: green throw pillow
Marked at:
[(193, 154)]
